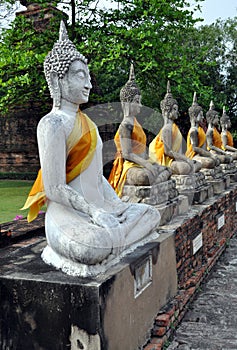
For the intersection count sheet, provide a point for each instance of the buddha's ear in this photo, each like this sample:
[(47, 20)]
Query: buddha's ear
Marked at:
[(54, 81), (55, 89)]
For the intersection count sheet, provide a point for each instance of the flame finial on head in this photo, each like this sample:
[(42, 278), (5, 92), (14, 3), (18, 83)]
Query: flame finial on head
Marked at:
[(195, 109), (63, 32), (212, 106), (132, 73), (130, 89)]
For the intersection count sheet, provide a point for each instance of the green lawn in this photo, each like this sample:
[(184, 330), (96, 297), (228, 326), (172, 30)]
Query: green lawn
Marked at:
[(12, 197)]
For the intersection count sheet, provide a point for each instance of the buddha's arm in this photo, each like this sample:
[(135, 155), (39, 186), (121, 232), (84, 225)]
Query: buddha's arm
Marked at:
[(209, 136), (194, 142), (125, 131), (225, 143), (52, 149), (167, 141)]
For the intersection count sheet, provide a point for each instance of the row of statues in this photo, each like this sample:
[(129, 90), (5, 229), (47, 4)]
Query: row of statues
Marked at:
[(87, 225), (133, 166)]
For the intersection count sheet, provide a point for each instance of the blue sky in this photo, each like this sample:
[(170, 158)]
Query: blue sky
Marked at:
[(213, 9)]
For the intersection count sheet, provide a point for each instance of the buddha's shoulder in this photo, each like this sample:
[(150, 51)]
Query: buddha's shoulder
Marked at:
[(53, 120)]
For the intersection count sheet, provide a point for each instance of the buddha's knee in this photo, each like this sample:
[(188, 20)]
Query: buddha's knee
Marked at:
[(180, 168)]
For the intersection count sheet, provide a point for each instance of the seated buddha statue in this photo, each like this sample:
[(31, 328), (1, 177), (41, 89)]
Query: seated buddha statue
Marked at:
[(166, 148), (86, 223), (214, 141), (132, 165), (226, 137), (196, 139)]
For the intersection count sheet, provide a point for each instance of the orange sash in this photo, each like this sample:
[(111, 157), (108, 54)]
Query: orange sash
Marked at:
[(118, 173), (78, 159), (201, 141), (157, 149), (230, 141), (217, 142)]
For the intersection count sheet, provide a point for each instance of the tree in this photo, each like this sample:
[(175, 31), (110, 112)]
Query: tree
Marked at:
[(151, 33)]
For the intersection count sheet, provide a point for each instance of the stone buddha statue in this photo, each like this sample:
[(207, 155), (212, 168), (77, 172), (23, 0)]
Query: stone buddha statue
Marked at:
[(166, 148), (226, 137), (214, 140), (196, 139), (86, 223), (132, 165)]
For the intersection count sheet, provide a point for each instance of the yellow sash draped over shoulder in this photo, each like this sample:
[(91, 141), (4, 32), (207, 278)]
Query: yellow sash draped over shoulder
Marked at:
[(157, 150), (216, 139), (118, 173), (201, 141), (81, 145), (230, 141)]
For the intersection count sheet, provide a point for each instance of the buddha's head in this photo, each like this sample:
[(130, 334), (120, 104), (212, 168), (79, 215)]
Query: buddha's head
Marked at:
[(130, 95), (169, 106), (195, 111), (66, 72), (225, 120), (212, 115)]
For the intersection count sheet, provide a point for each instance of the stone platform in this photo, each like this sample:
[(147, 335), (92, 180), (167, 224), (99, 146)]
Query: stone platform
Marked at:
[(42, 308), (164, 196)]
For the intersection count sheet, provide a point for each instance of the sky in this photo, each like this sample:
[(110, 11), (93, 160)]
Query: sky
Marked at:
[(214, 9)]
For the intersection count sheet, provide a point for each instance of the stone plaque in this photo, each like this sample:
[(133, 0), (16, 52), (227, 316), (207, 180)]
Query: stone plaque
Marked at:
[(142, 275), (197, 243), (220, 221)]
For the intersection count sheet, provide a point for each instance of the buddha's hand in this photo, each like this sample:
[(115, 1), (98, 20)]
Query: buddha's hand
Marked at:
[(105, 219), (216, 159), (152, 168)]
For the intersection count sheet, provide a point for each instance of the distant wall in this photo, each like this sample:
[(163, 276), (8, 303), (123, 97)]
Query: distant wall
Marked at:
[(18, 143)]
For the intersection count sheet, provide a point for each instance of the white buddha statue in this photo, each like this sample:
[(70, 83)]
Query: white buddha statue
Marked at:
[(87, 225)]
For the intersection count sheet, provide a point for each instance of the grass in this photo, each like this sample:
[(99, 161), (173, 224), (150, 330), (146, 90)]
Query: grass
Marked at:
[(12, 197)]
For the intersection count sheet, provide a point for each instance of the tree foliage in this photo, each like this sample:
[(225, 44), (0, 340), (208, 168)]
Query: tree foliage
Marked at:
[(160, 37)]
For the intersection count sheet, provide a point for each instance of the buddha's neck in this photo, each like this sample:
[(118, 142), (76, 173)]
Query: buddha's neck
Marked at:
[(68, 107)]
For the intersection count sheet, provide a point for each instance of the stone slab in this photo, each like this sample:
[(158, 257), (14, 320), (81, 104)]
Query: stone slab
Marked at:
[(42, 308)]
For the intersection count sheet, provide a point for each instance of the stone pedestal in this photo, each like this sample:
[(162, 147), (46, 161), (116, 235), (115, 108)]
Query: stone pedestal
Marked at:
[(217, 179), (230, 170), (164, 196), (42, 308), (194, 186)]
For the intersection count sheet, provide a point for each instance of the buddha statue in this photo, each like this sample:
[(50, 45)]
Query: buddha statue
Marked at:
[(214, 141), (132, 165), (166, 148), (86, 223), (196, 139), (226, 137)]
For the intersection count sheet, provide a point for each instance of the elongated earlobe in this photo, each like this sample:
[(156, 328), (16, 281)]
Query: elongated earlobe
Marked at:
[(56, 91)]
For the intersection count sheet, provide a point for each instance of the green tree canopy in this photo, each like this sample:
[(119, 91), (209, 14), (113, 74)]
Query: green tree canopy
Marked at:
[(160, 37)]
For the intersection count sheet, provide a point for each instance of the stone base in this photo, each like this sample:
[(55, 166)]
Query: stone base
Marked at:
[(153, 195), (194, 186), (167, 211), (42, 308), (218, 185)]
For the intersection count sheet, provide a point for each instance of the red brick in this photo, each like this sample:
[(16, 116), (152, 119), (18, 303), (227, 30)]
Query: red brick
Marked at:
[(163, 320), (159, 331), (153, 347)]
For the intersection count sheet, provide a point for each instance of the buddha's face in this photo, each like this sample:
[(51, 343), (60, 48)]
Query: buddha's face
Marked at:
[(76, 85), (135, 105), (215, 120), (200, 116), (174, 112)]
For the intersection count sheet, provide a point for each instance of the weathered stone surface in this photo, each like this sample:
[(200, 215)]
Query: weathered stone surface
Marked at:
[(211, 320), (43, 309)]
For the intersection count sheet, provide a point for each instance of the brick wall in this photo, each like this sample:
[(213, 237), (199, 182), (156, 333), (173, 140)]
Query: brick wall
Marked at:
[(193, 268), (18, 143)]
